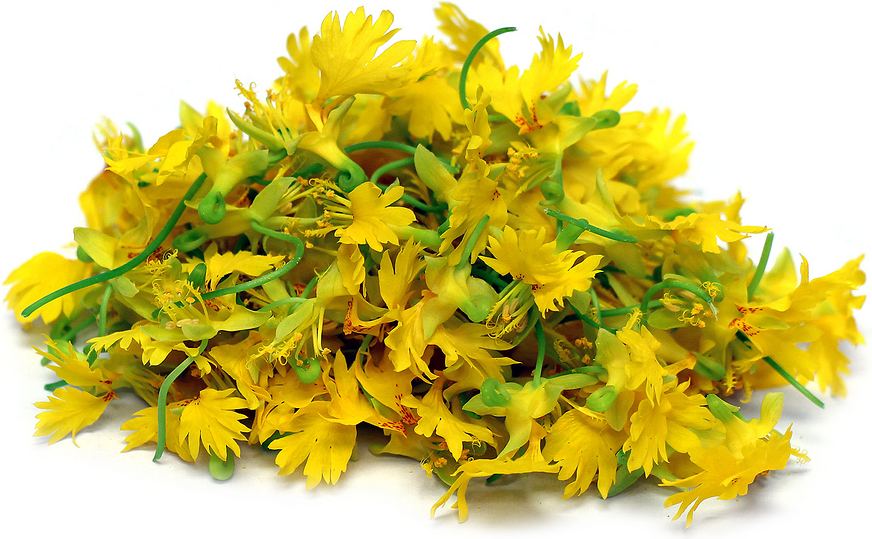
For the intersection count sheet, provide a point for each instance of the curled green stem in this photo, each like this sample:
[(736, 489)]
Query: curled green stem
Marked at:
[(263, 279), (212, 208), (132, 263), (162, 400), (393, 145), (380, 171), (410, 200), (464, 72)]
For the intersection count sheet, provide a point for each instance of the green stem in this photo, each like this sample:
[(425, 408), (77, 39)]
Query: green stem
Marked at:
[(589, 321), (281, 303), (392, 145), (410, 200), (263, 279), (627, 310), (162, 400), (75, 330), (132, 263), (473, 239), (761, 267), (793, 381), (104, 311), (594, 302), (54, 385), (587, 227), (540, 354), (380, 144), (387, 167), (464, 72), (490, 277), (310, 286), (364, 346), (415, 203)]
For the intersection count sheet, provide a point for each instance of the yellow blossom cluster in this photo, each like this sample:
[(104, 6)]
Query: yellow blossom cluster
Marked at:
[(486, 265)]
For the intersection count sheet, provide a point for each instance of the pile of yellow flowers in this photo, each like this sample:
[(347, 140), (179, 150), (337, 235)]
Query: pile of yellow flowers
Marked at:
[(489, 266)]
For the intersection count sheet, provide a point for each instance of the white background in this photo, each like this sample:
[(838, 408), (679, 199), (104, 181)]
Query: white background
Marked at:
[(776, 97)]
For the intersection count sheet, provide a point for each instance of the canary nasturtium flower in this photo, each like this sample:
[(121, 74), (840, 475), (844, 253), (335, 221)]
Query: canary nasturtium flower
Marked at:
[(491, 269), (551, 275), (373, 218)]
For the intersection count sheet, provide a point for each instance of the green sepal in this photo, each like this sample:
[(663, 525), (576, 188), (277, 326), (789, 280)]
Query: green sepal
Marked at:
[(222, 470)]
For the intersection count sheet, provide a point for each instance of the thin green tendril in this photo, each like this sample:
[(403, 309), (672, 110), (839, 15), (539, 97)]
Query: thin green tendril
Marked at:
[(75, 330), (761, 266), (104, 311), (310, 286), (364, 346), (132, 263), (162, 400), (586, 226), (263, 279), (473, 239), (281, 303), (392, 145), (379, 172), (410, 200), (464, 72), (793, 381), (608, 313), (594, 302), (589, 321), (540, 354)]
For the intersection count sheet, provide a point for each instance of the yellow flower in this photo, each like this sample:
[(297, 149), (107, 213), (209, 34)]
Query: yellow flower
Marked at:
[(210, 418), (583, 446), (454, 428), (523, 406), (346, 56), (551, 275), (464, 33), (751, 449), (475, 195), (672, 421), (372, 219), (40, 276), (429, 100), (520, 98), (725, 475), (326, 446), (300, 72), (531, 461), (68, 411)]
